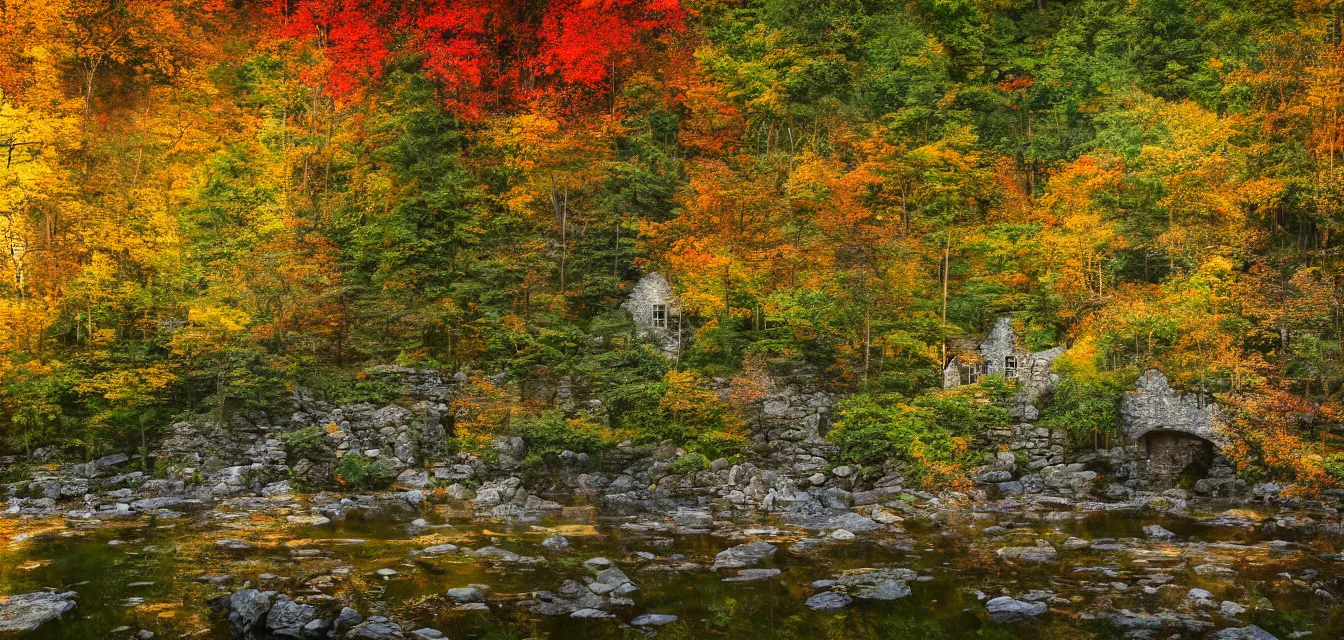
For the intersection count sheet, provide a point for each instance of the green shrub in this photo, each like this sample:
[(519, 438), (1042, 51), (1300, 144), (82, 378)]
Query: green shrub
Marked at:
[(1084, 405), (308, 442), (551, 433), (870, 430), (17, 472), (966, 411), (1334, 465), (357, 473), (689, 463)]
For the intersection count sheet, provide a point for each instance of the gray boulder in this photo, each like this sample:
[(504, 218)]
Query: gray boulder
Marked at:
[(1004, 609), (26, 612), (375, 631), (288, 618), (248, 609)]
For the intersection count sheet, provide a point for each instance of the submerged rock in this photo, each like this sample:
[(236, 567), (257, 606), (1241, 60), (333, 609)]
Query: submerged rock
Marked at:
[(26, 612), (591, 614), (829, 601), (749, 575), (653, 620), (234, 544)]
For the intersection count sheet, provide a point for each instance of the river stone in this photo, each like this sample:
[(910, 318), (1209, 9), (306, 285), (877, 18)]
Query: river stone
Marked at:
[(829, 601), (885, 590), (556, 543), (1230, 610), (597, 564), (1251, 632), (28, 611), (466, 594), (749, 575), (1042, 553), (436, 550), (1005, 609), (246, 608), (569, 597), (653, 620), (1157, 532), (842, 534), (611, 576), (1076, 543), (375, 631), (883, 516), (743, 555), (1200, 598), (427, 634), (234, 544), (348, 618), (590, 614), (287, 618)]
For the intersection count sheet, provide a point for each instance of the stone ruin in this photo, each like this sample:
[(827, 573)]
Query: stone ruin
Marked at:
[(1000, 354), (1176, 437), (656, 311)]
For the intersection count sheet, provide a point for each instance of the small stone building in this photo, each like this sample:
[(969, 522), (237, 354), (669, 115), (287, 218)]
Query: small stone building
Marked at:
[(999, 353), (1176, 436), (654, 307)]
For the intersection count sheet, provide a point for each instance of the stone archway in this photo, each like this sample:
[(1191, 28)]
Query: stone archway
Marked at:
[(1176, 458)]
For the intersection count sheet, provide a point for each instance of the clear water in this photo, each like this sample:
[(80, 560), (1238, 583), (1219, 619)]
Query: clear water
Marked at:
[(169, 554)]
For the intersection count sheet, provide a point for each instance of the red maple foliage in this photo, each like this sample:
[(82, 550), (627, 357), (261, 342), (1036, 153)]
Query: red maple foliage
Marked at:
[(351, 35)]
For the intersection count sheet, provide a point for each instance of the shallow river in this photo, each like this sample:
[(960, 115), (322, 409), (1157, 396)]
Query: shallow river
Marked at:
[(140, 574)]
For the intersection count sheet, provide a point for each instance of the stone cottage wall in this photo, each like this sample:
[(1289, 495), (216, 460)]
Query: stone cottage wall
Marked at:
[(652, 290)]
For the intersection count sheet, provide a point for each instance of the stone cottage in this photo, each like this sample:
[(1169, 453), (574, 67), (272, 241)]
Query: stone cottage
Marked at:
[(999, 353), (654, 307)]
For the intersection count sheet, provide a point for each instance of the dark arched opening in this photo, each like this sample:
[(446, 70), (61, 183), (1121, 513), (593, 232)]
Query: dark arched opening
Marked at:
[(1176, 459)]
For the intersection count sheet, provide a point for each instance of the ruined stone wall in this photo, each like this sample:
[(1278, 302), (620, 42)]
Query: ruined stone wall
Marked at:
[(1154, 406)]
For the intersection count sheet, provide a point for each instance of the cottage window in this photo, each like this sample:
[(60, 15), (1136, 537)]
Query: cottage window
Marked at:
[(1010, 367), (970, 374), (660, 315)]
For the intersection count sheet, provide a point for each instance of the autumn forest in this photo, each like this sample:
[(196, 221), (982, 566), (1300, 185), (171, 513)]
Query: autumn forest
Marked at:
[(206, 205)]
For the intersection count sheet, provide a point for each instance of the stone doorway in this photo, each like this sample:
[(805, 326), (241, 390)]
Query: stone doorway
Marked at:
[(1176, 459)]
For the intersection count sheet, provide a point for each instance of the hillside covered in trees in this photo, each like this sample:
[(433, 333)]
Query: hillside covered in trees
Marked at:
[(205, 205)]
